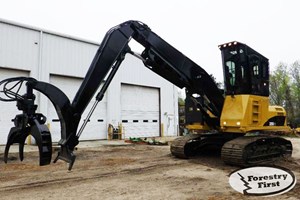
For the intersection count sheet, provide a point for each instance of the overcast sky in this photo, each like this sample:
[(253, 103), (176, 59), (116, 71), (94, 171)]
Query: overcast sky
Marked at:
[(194, 27)]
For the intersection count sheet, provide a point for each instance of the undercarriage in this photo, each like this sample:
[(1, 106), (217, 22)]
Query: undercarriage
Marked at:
[(235, 149)]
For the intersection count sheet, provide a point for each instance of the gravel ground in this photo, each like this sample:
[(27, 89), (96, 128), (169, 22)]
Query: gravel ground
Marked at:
[(121, 171)]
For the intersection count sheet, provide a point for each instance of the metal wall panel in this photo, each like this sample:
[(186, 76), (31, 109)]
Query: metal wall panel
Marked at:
[(19, 47), (66, 56)]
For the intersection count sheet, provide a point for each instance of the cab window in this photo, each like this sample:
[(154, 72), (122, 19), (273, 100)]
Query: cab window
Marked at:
[(231, 72)]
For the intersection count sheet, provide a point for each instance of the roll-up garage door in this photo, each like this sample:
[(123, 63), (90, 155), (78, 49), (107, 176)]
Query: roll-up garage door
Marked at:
[(8, 110), (96, 127), (140, 111)]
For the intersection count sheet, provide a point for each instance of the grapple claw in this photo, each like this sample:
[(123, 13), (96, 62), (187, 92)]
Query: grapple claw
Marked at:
[(41, 135), (29, 122), (16, 135), (66, 155)]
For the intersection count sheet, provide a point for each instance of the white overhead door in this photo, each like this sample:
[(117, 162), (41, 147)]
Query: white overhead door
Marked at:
[(8, 110), (96, 127), (140, 111)]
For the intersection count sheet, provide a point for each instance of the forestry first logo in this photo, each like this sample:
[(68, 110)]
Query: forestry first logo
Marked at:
[(262, 181)]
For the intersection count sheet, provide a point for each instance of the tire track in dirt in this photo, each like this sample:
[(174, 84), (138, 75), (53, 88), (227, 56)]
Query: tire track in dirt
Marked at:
[(38, 184)]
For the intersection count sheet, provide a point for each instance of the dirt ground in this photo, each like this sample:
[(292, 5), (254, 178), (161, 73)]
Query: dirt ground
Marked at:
[(128, 172)]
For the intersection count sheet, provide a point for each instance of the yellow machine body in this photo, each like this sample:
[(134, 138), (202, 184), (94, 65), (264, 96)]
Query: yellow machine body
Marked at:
[(197, 128), (245, 126), (249, 113)]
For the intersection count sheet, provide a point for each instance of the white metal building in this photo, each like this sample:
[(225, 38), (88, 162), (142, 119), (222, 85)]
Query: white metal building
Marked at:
[(142, 101)]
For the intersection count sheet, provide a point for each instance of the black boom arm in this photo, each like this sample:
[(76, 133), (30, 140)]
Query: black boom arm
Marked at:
[(158, 56)]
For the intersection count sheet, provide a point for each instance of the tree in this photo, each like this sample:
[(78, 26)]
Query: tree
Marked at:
[(285, 90), (278, 84), (295, 75), (219, 84)]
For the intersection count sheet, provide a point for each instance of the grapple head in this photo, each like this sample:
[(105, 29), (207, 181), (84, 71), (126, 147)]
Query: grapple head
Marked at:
[(27, 123), (37, 130)]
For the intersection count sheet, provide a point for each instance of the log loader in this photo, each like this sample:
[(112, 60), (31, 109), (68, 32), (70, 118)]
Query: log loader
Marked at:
[(227, 118)]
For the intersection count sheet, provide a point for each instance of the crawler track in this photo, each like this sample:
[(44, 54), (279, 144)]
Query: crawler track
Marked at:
[(251, 150), (236, 150), (192, 144), (182, 147)]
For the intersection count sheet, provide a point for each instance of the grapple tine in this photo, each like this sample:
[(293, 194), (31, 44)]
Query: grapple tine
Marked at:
[(66, 155), (6, 152), (21, 150), (42, 136), (16, 135)]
